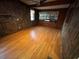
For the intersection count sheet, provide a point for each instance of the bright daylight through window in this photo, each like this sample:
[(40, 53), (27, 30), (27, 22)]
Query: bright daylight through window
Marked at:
[(48, 15), (32, 15)]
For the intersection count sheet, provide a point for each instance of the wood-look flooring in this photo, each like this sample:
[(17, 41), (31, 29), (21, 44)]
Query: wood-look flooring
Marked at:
[(32, 43)]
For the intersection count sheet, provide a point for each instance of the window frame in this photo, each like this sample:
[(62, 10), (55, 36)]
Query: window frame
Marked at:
[(32, 14), (49, 13)]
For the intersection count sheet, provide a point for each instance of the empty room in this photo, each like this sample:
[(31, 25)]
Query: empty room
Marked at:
[(39, 29)]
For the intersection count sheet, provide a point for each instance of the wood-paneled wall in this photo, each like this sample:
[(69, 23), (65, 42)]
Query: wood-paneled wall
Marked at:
[(70, 33), (14, 16)]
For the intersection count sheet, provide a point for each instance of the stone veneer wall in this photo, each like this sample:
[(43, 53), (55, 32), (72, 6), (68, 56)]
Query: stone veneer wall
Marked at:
[(70, 33)]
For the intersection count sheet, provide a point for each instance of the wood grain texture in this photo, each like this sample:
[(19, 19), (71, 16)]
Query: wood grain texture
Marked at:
[(32, 43)]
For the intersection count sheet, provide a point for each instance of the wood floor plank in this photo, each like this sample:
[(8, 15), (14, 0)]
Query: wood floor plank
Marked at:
[(32, 43)]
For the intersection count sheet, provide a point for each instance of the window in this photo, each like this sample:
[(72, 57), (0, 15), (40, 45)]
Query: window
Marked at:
[(49, 15), (78, 58), (32, 15)]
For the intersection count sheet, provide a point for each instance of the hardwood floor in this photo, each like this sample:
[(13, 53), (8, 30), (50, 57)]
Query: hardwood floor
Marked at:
[(33, 43)]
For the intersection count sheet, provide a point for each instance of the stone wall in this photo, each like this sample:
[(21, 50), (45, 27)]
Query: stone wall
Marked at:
[(70, 33)]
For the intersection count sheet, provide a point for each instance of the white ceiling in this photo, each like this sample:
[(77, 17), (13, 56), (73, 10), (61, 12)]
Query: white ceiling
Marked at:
[(31, 2)]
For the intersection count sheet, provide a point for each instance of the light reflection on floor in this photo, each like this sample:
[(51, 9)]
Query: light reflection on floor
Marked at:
[(33, 35)]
